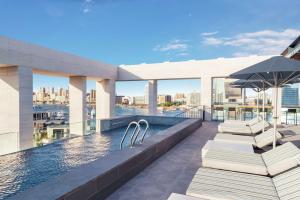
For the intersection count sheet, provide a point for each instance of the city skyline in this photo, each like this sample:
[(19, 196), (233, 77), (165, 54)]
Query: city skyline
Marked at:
[(136, 87), (61, 95)]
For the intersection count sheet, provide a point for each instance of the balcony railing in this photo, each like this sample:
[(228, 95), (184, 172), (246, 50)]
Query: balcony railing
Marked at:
[(192, 112)]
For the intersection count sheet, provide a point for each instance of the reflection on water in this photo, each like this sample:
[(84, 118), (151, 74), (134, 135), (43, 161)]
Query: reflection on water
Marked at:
[(22, 170)]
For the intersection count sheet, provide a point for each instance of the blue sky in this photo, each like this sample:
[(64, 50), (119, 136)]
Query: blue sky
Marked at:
[(147, 31)]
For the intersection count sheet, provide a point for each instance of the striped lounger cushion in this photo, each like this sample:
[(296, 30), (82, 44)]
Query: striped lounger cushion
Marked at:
[(287, 184), (234, 129), (272, 162), (281, 158), (227, 185), (266, 138), (259, 141), (217, 184), (243, 130), (239, 122), (242, 139), (235, 161)]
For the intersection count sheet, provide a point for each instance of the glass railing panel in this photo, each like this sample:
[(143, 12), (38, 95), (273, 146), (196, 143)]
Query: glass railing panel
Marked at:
[(222, 113), (56, 132)]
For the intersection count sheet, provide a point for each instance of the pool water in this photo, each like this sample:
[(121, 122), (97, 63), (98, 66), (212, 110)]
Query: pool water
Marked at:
[(22, 170)]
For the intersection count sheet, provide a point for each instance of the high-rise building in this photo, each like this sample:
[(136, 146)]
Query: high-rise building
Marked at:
[(119, 99), (218, 90), (164, 99), (194, 99), (290, 96), (139, 100), (179, 97), (93, 96)]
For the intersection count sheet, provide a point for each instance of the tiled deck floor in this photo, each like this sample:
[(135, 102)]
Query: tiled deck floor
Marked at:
[(291, 133), (170, 173)]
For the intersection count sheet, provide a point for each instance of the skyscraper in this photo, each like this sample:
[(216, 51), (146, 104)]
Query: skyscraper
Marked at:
[(164, 99), (194, 99), (290, 96)]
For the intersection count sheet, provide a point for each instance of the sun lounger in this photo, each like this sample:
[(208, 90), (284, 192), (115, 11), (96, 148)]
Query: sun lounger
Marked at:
[(243, 130), (175, 196), (217, 184), (260, 141), (239, 122), (223, 146), (271, 162)]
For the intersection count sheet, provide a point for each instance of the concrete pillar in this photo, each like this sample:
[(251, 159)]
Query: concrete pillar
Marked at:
[(152, 97), (279, 103), (77, 99), (105, 100), (206, 96), (16, 112)]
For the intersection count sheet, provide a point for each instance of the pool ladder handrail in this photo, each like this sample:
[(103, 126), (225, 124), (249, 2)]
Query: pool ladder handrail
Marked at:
[(137, 128), (135, 136)]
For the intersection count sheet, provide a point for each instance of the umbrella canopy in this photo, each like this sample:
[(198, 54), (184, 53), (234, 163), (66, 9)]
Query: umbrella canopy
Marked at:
[(254, 84), (276, 72), (258, 85)]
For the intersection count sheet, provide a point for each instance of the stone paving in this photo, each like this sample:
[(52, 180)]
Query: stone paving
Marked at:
[(170, 173), (291, 133)]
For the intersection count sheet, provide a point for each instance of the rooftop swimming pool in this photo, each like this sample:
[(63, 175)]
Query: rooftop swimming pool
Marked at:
[(23, 170)]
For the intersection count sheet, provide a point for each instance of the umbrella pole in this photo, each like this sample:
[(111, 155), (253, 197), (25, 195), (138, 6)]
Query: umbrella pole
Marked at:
[(257, 109), (275, 117), (263, 105)]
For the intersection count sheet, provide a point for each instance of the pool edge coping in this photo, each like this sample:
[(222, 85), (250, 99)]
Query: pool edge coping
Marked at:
[(116, 169)]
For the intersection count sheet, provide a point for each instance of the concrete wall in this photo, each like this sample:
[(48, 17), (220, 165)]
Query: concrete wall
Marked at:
[(77, 88), (47, 61), (18, 61), (15, 109), (205, 70), (220, 67), (152, 97), (105, 100)]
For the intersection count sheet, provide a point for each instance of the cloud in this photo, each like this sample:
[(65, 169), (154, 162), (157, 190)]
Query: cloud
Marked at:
[(86, 10), (209, 33), (173, 45), (87, 6), (265, 42), (183, 54), (213, 41)]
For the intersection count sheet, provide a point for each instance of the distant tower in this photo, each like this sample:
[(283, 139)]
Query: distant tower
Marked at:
[(290, 96)]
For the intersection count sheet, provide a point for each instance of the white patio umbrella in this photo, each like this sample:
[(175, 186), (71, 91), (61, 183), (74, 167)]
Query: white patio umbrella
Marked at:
[(274, 72)]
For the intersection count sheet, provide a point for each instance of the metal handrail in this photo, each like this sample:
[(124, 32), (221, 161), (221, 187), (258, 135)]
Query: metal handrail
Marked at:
[(147, 127), (137, 128), (137, 134), (187, 112)]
